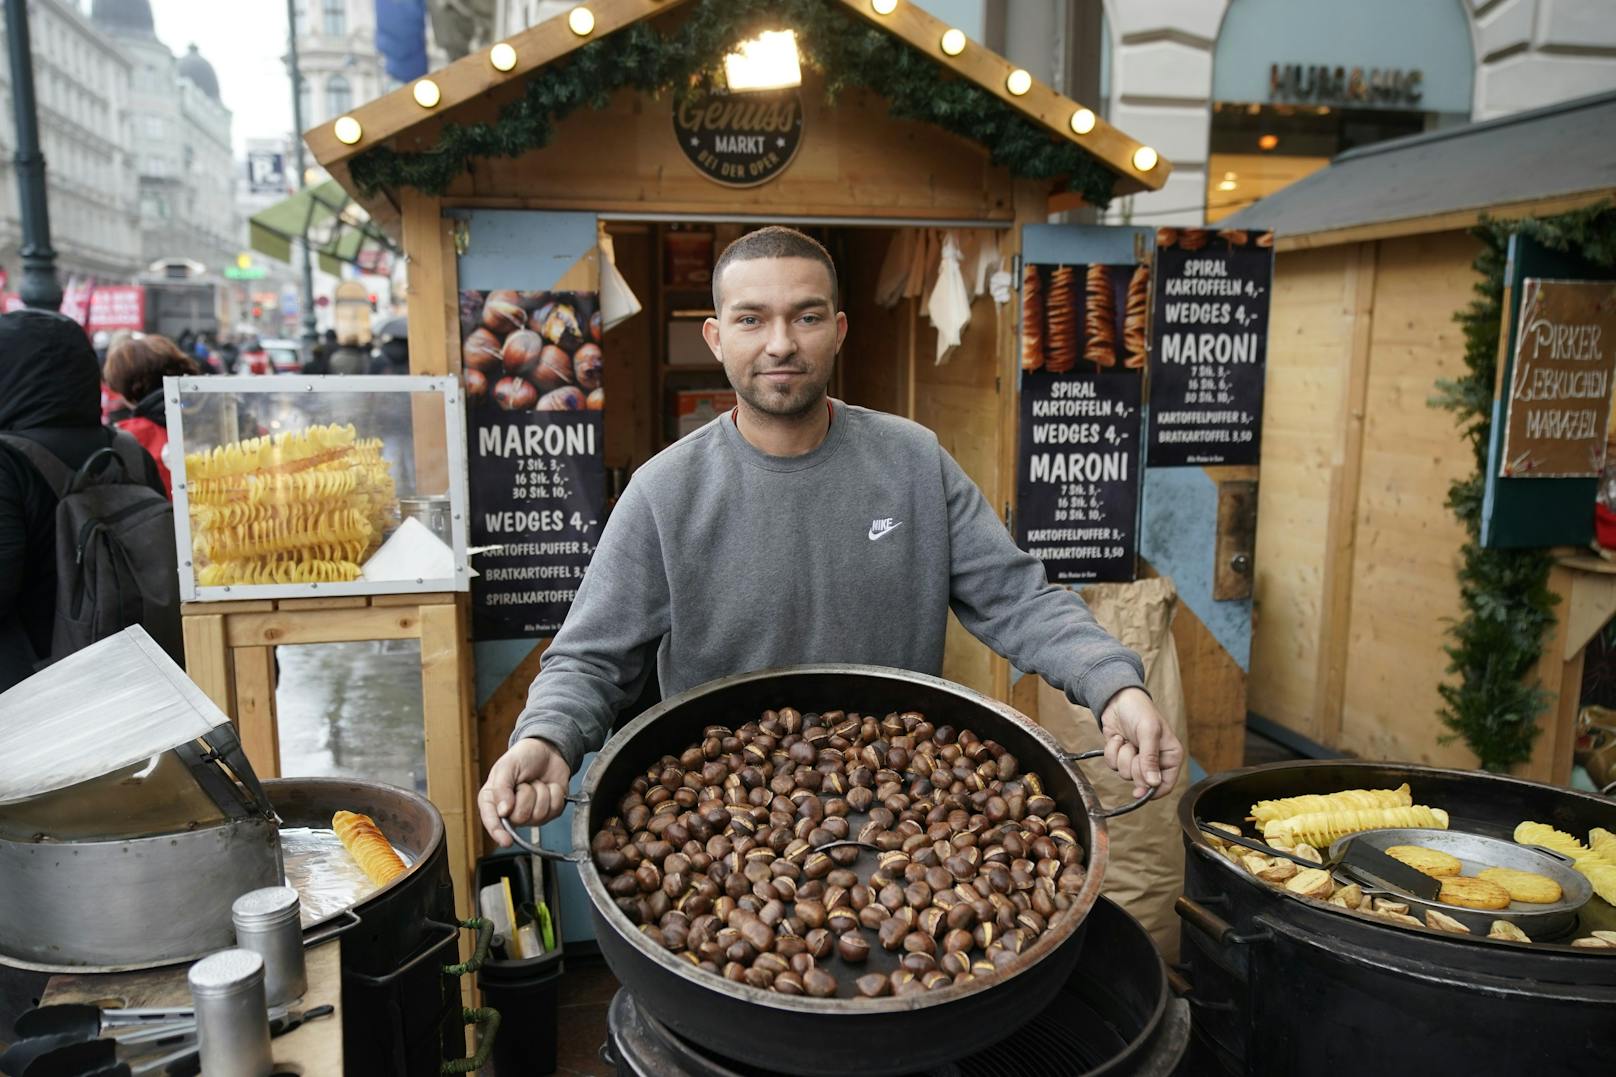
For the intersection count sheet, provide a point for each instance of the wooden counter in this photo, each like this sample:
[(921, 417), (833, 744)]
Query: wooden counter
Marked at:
[(311, 1050)]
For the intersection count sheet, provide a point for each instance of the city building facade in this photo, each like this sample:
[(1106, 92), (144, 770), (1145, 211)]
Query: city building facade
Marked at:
[(81, 85)]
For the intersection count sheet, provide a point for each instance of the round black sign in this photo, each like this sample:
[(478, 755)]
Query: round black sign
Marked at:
[(742, 139)]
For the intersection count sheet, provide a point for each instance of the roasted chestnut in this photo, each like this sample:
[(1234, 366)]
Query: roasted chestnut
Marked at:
[(481, 351), (503, 313), (552, 368), (515, 394), (520, 355), (567, 398), (586, 369)]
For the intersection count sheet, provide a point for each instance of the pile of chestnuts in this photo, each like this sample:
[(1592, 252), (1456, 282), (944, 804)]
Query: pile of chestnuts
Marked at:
[(532, 351), (836, 854)]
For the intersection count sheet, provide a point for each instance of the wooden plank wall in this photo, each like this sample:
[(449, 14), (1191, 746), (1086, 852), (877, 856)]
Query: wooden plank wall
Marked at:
[(958, 401), (1309, 334), (1406, 551), (1356, 548), (874, 361)]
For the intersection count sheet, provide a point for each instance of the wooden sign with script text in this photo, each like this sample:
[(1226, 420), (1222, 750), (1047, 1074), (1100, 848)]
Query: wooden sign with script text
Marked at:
[(1559, 395)]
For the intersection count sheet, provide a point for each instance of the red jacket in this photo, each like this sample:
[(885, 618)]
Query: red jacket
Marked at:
[(153, 437)]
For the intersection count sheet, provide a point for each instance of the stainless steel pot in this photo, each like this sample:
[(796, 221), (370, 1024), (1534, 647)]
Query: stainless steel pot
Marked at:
[(120, 903), (808, 1035)]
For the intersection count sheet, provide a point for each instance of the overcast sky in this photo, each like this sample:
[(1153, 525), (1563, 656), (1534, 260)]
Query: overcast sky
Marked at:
[(244, 40)]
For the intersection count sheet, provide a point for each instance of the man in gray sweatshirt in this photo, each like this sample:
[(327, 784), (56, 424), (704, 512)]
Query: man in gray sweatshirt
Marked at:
[(801, 529)]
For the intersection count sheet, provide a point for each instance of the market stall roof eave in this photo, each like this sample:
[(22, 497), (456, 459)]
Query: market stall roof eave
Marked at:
[(1547, 160), (396, 118)]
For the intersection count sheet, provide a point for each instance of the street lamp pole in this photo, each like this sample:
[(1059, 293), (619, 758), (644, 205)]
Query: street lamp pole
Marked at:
[(39, 287), (309, 334)]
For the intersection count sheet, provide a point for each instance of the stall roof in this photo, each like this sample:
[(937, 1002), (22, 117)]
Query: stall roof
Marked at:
[(395, 117), (1546, 160)]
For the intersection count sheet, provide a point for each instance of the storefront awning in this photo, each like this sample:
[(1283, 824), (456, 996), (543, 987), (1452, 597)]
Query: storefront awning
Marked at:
[(337, 229)]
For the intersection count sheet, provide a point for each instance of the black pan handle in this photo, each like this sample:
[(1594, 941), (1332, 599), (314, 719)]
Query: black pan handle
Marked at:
[(1210, 923), (539, 851), (1122, 809)]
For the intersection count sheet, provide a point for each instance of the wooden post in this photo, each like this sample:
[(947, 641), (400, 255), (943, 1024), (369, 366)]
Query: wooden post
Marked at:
[(448, 742), (1335, 613), (255, 709), (434, 329), (207, 659)]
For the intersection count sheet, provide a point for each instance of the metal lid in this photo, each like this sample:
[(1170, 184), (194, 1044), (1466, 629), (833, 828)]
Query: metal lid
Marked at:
[(116, 703), (265, 908), (225, 973)]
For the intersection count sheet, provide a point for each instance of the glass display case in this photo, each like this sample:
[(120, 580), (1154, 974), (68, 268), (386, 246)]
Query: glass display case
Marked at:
[(306, 486)]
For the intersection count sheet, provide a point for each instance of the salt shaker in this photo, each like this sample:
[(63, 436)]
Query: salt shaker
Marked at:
[(232, 1019), (268, 922)]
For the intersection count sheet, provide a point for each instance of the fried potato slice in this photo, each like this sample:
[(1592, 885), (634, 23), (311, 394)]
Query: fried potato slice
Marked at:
[(1526, 886), (1592, 943), (1433, 862), (1503, 929), (1469, 892), (1441, 921), (1312, 883)]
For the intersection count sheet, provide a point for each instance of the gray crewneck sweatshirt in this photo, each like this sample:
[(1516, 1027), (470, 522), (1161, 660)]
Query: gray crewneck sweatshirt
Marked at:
[(720, 559)]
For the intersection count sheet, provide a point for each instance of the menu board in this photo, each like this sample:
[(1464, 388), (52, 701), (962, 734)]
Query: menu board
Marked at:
[(1083, 335), (1559, 391), (1209, 345), (538, 481)]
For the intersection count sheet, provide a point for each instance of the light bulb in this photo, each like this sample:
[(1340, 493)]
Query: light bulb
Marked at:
[(347, 130), (884, 7), (426, 93), (1145, 158), (1019, 81), (953, 42), (581, 21), (502, 56), (1083, 121)]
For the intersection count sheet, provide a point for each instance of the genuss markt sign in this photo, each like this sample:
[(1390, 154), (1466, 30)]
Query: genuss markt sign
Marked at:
[(740, 140)]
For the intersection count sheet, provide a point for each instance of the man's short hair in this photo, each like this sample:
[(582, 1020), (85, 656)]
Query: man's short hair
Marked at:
[(775, 241)]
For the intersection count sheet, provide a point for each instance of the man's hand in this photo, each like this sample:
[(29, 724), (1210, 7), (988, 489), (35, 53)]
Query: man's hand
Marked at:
[(528, 786), (1138, 744)]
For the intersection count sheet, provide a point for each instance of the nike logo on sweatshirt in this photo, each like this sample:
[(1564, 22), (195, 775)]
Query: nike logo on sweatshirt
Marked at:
[(881, 527)]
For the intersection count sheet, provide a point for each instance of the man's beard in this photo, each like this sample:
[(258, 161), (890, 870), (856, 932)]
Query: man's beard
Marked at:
[(791, 403)]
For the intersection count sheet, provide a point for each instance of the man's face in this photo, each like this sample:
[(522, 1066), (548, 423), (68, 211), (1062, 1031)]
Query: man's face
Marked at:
[(777, 334)]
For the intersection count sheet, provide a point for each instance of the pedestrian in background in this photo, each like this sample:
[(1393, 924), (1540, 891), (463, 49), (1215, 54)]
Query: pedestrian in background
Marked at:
[(135, 371), (50, 396), (350, 358)]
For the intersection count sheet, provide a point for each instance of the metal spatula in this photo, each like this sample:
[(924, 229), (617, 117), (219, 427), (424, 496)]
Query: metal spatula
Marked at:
[(1358, 858)]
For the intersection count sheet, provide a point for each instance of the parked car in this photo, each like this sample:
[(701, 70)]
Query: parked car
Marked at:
[(286, 356)]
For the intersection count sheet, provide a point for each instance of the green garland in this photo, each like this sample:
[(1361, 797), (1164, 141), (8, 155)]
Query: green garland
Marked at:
[(850, 53), (1508, 606)]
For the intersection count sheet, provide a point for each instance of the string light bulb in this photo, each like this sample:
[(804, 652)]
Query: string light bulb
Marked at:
[(502, 56), (1018, 81), (1083, 121), (1145, 158), (426, 93), (884, 7), (581, 21), (347, 130), (953, 42)]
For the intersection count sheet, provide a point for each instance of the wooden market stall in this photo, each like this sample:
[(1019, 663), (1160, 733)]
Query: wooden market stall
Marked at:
[(860, 173), (1357, 549)]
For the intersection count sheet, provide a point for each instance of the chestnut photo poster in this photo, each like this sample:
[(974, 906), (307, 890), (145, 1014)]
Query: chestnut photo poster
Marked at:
[(1083, 345), (538, 487)]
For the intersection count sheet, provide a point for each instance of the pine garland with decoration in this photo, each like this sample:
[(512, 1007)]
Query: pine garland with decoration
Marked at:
[(849, 52), (1508, 607)]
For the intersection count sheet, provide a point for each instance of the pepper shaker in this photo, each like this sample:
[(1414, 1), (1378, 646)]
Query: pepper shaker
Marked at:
[(269, 923), (232, 1018)]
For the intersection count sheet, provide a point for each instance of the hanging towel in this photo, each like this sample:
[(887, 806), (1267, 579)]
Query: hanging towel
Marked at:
[(618, 302), (895, 268), (949, 306)]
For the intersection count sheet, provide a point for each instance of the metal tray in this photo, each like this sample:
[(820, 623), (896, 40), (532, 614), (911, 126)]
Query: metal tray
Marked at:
[(1544, 923)]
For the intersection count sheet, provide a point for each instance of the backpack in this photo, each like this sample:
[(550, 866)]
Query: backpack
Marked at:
[(116, 563)]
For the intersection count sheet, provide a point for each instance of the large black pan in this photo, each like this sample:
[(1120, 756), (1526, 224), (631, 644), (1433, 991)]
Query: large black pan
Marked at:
[(839, 1035)]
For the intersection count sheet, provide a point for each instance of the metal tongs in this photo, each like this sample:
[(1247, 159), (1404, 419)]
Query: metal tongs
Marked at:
[(1359, 859)]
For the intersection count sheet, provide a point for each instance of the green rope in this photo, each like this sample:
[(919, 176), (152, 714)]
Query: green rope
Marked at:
[(848, 51), (487, 1020)]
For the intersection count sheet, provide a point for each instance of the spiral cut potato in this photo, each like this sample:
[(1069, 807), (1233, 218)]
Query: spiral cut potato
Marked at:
[(305, 506), (1321, 828), (1266, 811), (1597, 865), (368, 846), (292, 451)]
